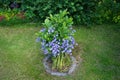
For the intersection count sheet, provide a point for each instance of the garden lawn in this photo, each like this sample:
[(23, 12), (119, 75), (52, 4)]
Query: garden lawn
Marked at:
[(98, 48)]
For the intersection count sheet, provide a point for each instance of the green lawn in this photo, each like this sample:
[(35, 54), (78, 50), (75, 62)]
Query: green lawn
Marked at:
[(98, 47)]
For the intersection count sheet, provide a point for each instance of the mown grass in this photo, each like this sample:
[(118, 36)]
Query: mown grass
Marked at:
[(98, 47)]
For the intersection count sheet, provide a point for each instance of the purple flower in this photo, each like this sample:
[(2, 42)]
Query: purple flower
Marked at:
[(73, 31), (45, 51), (72, 40), (14, 5), (69, 51), (38, 39), (50, 30), (42, 30), (68, 45), (55, 49)]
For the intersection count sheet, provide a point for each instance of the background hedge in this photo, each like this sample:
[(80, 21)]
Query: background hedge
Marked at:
[(83, 11)]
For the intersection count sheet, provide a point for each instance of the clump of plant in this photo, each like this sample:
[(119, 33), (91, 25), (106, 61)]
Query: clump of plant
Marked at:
[(57, 39), (116, 19), (9, 14)]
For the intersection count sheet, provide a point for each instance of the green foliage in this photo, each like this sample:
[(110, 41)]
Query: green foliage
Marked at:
[(108, 10), (12, 17), (9, 14), (60, 23), (4, 4), (57, 33), (82, 11), (116, 19)]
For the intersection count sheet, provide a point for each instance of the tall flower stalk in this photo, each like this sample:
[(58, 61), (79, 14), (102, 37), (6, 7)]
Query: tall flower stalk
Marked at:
[(57, 40)]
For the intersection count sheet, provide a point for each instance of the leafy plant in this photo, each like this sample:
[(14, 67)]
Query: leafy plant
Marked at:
[(9, 14), (82, 11), (4, 4), (116, 19), (108, 11), (12, 17), (57, 38)]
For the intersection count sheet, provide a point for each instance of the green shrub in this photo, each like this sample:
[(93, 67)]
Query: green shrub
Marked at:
[(12, 17), (108, 11), (116, 19), (4, 4), (9, 14), (82, 11), (57, 39)]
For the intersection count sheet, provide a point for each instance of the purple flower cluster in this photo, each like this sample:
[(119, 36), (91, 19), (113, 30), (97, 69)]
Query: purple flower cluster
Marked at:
[(68, 45), (56, 46), (44, 47)]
